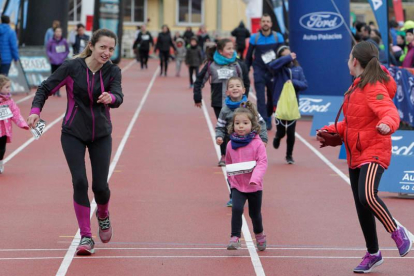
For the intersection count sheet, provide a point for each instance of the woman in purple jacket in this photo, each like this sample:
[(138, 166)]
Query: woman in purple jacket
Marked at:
[(57, 50)]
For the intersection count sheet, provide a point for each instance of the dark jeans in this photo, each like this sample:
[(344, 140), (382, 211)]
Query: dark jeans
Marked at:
[(192, 70), (4, 69), (143, 55), (100, 156), (54, 68), (164, 56), (364, 182), (224, 145), (286, 128), (3, 140), (264, 91), (255, 211)]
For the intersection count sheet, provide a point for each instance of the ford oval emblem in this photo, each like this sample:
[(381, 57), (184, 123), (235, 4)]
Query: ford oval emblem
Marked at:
[(321, 21)]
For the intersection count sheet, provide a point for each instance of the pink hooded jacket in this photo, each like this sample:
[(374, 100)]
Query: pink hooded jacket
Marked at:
[(6, 125), (254, 151)]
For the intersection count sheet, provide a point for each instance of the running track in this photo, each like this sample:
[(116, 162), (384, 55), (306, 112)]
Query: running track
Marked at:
[(168, 198)]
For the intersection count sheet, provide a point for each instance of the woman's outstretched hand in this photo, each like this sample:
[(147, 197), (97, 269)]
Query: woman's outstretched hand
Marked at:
[(32, 120)]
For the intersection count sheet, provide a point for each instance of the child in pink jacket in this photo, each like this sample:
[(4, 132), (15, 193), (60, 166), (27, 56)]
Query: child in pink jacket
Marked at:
[(246, 184), (8, 112)]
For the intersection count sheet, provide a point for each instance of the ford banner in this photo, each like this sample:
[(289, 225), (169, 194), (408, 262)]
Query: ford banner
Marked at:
[(310, 105), (320, 37)]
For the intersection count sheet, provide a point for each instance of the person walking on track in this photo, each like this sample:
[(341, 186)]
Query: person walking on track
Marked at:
[(246, 151), (235, 97), (241, 33), (143, 45), (193, 59), (370, 117), (263, 46), (9, 112), (286, 68), (221, 65), (93, 85), (163, 45)]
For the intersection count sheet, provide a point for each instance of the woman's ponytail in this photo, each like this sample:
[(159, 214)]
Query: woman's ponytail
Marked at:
[(210, 53)]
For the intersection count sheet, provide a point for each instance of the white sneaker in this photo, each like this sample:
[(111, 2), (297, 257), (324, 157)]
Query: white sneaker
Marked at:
[(1, 167)]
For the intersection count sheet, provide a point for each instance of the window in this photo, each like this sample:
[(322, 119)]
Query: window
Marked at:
[(135, 11), (75, 9), (190, 12)]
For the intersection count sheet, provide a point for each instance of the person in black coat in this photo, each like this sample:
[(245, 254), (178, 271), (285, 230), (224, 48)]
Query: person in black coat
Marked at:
[(143, 44), (164, 43), (188, 34), (241, 33)]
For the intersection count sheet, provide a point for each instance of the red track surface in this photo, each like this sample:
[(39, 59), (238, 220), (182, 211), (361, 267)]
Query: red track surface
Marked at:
[(168, 200)]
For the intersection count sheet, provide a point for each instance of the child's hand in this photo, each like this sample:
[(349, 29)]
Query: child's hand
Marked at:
[(105, 98), (219, 141), (383, 129), (32, 120), (293, 55), (199, 105), (319, 138)]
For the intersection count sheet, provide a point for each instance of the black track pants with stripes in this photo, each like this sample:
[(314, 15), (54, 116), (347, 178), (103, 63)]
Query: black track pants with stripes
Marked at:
[(364, 182)]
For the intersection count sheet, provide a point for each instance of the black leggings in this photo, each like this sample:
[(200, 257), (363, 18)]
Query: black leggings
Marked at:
[(364, 182), (288, 128), (164, 56), (100, 156), (224, 145), (255, 211), (192, 70), (143, 56), (3, 141)]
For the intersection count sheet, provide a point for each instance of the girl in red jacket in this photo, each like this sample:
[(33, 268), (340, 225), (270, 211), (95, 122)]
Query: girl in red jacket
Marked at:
[(370, 117)]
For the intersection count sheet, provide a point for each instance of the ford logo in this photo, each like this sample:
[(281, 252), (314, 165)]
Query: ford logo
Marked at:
[(321, 21)]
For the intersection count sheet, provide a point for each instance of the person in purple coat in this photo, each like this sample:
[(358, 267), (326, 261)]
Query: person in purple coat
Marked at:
[(57, 50)]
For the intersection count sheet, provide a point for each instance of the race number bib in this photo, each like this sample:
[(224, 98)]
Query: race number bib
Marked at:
[(240, 168), (268, 56), (38, 130), (60, 49), (82, 43), (5, 112), (145, 37), (224, 73)]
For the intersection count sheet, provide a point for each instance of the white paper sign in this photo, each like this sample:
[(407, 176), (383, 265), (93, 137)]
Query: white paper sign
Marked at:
[(224, 73), (268, 56), (240, 168), (38, 130), (5, 112)]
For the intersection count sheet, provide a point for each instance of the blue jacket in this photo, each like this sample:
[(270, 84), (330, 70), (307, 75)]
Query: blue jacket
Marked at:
[(281, 69), (264, 45), (8, 44)]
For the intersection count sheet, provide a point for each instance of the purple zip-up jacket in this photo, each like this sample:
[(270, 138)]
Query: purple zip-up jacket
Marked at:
[(85, 118), (254, 151), (57, 51)]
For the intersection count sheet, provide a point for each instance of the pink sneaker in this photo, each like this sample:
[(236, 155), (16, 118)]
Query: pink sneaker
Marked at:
[(261, 241), (234, 243), (86, 246), (105, 229)]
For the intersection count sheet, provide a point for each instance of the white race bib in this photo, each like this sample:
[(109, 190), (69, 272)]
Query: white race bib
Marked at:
[(5, 112), (60, 49), (82, 43), (225, 73), (268, 56), (145, 37), (38, 130), (240, 168)]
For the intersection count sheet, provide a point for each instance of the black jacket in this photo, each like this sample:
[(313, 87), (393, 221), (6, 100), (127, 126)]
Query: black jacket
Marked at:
[(187, 37), (209, 72), (85, 118), (164, 42), (194, 56), (143, 41), (241, 33)]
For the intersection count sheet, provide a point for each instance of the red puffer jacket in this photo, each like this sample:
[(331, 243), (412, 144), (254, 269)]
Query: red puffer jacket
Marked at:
[(364, 109)]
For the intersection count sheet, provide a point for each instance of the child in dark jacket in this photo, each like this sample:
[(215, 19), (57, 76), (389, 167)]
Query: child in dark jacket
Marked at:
[(286, 69), (193, 59)]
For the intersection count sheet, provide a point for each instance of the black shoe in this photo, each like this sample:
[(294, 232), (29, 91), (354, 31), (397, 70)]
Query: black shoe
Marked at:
[(276, 142), (290, 160)]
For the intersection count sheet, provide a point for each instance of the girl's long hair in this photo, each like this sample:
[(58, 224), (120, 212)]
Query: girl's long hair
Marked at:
[(95, 38), (220, 46), (3, 81), (249, 109), (368, 56)]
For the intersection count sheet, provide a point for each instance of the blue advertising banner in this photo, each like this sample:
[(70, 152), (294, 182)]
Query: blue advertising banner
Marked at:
[(404, 98), (310, 105), (323, 119), (320, 37), (380, 9)]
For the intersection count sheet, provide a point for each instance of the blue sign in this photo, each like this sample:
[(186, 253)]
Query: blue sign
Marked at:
[(320, 37), (323, 119), (310, 105)]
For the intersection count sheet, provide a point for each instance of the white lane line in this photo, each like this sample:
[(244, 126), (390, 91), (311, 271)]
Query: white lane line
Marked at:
[(72, 248), (258, 268), (338, 171), (28, 142), (194, 257), (25, 98)]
